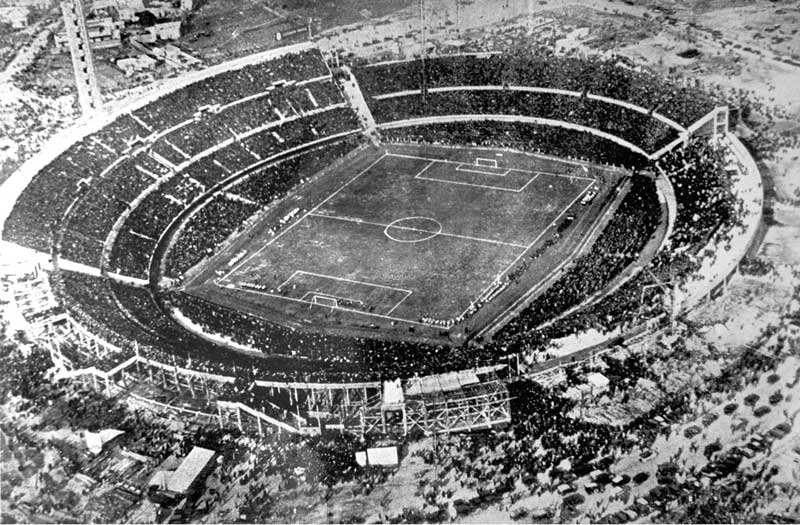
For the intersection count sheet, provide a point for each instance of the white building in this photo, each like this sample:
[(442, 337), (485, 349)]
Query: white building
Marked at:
[(18, 16)]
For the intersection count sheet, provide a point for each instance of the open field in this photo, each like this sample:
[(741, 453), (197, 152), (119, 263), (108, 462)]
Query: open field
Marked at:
[(413, 237)]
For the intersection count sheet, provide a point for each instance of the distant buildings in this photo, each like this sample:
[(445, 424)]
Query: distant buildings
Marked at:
[(111, 22), (18, 16)]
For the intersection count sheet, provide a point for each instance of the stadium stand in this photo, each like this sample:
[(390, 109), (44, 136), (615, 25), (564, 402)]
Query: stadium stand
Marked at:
[(239, 140)]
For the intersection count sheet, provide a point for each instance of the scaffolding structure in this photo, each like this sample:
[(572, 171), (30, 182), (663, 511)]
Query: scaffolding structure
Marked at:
[(454, 402)]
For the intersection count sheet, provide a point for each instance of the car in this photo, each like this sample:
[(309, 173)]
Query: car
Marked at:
[(620, 480), (710, 474), (604, 462), (646, 454), (762, 411), (691, 431), (568, 477), (574, 499), (668, 468), (565, 488), (641, 477), (775, 398), (751, 400), (730, 408), (604, 478), (712, 448), (780, 431), (592, 487), (746, 452), (582, 470)]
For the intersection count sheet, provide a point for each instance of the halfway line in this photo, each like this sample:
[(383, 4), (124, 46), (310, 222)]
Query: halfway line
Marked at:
[(467, 237)]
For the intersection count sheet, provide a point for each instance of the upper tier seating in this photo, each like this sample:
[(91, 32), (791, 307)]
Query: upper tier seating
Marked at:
[(594, 75), (40, 209)]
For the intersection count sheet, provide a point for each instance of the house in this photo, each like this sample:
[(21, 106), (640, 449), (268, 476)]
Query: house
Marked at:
[(17, 16), (598, 382)]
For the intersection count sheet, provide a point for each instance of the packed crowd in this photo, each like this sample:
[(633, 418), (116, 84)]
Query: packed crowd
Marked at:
[(637, 128), (706, 208), (307, 355), (561, 142), (75, 200), (230, 86), (631, 227), (702, 190), (149, 220), (595, 75), (124, 314), (42, 204), (214, 222)]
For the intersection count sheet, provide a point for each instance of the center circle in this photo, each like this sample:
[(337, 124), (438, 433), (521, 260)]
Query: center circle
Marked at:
[(413, 229)]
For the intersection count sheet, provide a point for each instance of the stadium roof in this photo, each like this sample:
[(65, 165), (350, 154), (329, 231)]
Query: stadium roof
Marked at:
[(441, 383)]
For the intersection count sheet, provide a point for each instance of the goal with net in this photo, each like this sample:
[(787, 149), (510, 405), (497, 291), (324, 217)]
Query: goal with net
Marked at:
[(325, 300), (486, 163)]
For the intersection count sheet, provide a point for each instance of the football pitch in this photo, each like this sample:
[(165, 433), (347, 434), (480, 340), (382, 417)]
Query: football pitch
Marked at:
[(408, 238)]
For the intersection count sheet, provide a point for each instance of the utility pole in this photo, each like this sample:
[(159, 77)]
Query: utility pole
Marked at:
[(89, 95)]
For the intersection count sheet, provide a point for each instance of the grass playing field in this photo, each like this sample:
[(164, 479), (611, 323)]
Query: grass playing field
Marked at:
[(408, 238)]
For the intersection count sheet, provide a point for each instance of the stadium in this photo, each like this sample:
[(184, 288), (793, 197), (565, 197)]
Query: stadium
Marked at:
[(292, 242)]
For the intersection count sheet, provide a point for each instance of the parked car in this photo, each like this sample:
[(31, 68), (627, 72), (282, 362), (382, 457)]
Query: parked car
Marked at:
[(592, 487), (691, 431), (620, 480)]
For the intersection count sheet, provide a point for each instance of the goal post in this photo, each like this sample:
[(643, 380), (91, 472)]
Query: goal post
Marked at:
[(325, 300), (486, 163)]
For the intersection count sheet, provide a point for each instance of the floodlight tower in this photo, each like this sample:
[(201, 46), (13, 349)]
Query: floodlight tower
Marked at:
[(423, 50), (79, 47)]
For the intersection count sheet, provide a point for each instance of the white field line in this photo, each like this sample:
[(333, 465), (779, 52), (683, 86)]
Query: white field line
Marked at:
[(486, 186), (324, 276), (380, 316), (317, 293), (465, 237), (398, 303), (471, 169), (298, 221), (509, 169), (515, 261)]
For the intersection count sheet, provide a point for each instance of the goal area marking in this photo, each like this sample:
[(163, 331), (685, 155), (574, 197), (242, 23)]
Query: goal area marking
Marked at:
[(472, 168), (315, 296)]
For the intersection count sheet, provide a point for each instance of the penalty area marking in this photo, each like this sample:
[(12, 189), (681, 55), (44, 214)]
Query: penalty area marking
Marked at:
[(485, 186), (557, 159), (352, 310), (323, 276)]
